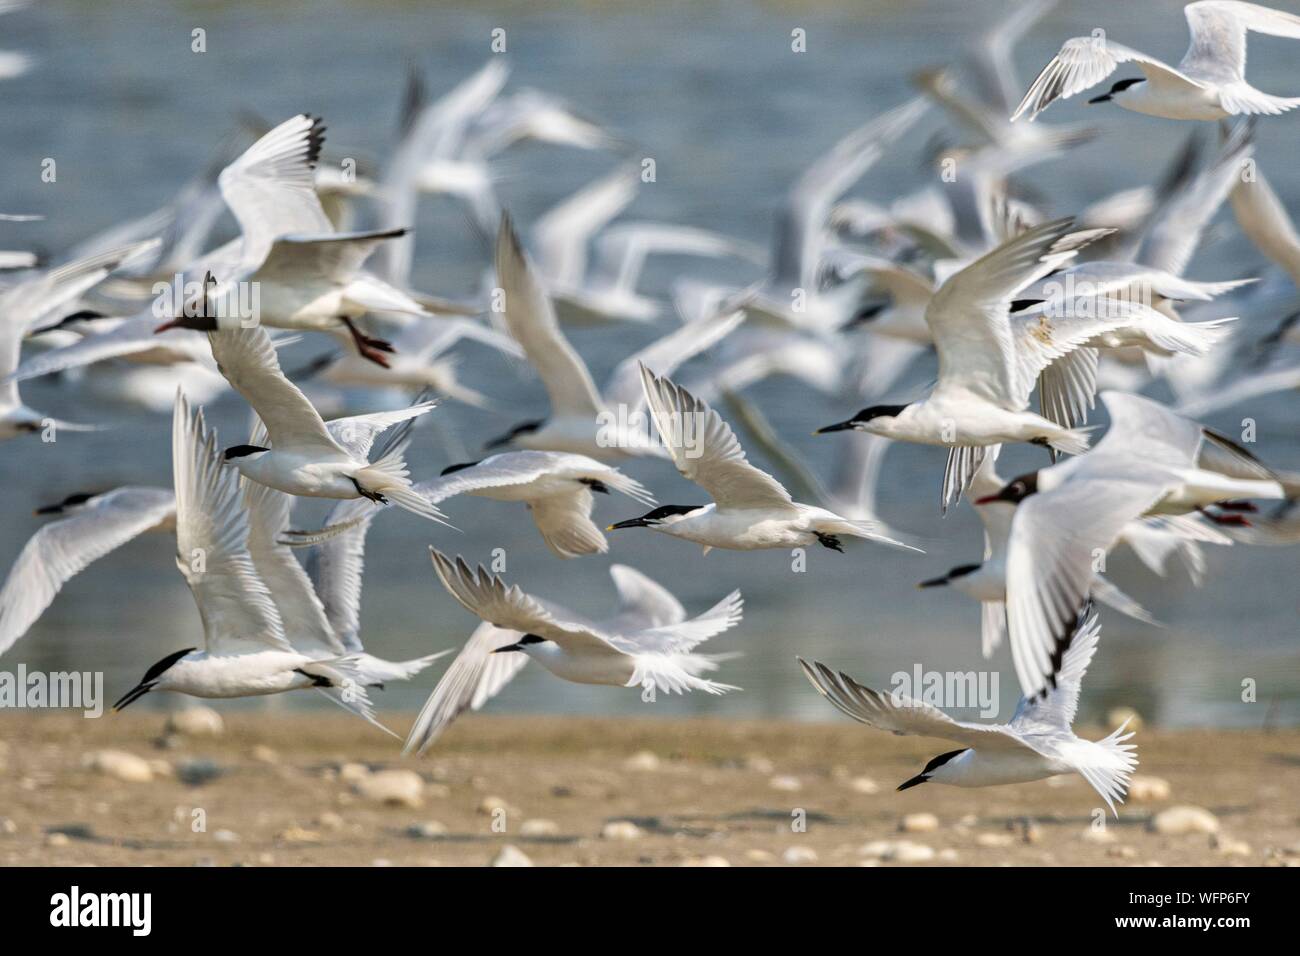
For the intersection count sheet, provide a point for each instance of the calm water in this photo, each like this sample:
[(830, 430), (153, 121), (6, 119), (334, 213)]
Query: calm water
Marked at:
[(713, 92)]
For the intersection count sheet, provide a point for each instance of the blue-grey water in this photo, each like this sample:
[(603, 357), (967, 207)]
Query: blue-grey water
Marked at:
[(715, 94)]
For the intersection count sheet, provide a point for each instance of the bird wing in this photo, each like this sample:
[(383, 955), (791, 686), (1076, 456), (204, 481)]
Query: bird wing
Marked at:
[(562, 235), (356, 433), (1057, 538), (246, 357), (336, 566), (1144, 431), (486, 595), (497, 471), (968, 315), (1218, 47), (306, 626), (25, 303), (470, 681), (622, 249), (530, 317), (900, 714), (336, 257), (61, 549), (1055, 710), (239, 615), (683, 636), (642, 602), (667, 354), (706, 451), (1266, 223), (271, 189), (1082, 63), (566, 525)]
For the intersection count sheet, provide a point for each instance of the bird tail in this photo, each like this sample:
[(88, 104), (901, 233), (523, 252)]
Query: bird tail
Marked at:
[(378, 671), (862, 528), (1110, 595), (1072, 441), (344, 682), (1108, 765), (1190, 338), (388, 476)]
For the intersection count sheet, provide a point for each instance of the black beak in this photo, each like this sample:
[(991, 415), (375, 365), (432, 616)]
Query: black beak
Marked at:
[(198, 323), (508, 647), (934, 582), (134, 694), (49, 510), (1104, 98), (499, 441), (629, 523), (837, 427), (915, 781)]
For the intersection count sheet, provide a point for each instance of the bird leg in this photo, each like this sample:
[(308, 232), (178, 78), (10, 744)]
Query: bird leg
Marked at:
[(829, 541), (372, 495), (369, 347)]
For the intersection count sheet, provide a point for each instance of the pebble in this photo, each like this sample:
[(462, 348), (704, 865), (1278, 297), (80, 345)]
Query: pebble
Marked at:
[(539, 827), (225, 836), (786, 784), (1122, 852), (329, 820), (642, 760), (57, 839), (864, 785), (428, 830), (620, 830), (759, 764), (197, 771), (489, 806), (393, 788), (1229, 846), (264, 754), (197, 721), (120, 765), (706, 861), (799, 854), (298, 835), (1144, 789), (1096, 835), (1181, 820), (919, 823), (756, 855), (511, 855), (353, 772), (995, 839), (898, 851)]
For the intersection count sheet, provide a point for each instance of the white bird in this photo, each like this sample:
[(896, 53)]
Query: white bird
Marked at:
[(478, 673), (23, 305), (1151, 461), (1038, 742), (307, 456), (246, 652), (89, 526), (750, 508), (659, 658), (583, 420), (1209, 82), (988, 365)]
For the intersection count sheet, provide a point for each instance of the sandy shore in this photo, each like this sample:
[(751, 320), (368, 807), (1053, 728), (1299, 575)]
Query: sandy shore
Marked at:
[(307, 789)]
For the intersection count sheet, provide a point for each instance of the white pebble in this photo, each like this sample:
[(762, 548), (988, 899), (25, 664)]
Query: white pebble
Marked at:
[(864, 785), (1181, 820), (1143, 788), (642, 760), (620, 830), (799, 854), (197, 721), (120, 765), (786, 784), (539, 827), (394, 788), (511, 855), (919, 823)]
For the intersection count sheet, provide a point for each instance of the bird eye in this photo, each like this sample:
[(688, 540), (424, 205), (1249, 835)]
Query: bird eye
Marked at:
[(1018, 487)]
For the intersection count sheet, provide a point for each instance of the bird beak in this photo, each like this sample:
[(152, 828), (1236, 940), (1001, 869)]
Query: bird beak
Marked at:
[(987, 500), (1104, 98), (49, 510), (498, 441), (934, 583), (508, 647), (837, 427), (198, 323), (629, 523), (134, 694), (909, 784)]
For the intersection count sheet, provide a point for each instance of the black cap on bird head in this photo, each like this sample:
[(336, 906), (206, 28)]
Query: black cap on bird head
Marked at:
[(1014, 491), (655, 517), (862, 417), (930, 768)]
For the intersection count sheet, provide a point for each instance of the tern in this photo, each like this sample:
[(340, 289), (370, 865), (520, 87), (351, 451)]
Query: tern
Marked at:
[(1038, 742), (1150, 462), (307, 456), (988, 365), (478, 673), (246, 651), (750, 508), (1209, 82), (659, 658)]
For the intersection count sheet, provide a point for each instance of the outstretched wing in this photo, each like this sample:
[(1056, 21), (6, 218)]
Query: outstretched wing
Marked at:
[(239, 615), (1055, 710)]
